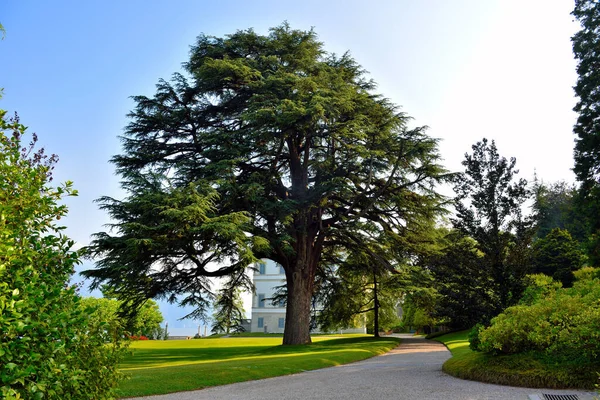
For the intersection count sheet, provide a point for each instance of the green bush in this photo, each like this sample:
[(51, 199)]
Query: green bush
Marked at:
[(538, 287), (562, 323), (474, 340), (48, 349)]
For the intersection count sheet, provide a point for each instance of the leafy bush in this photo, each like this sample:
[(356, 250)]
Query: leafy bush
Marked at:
[(539, 286), (563, 323), (474, 340), (48, 349)]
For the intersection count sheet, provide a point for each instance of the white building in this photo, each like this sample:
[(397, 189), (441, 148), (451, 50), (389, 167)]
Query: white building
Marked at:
[(266, 316)]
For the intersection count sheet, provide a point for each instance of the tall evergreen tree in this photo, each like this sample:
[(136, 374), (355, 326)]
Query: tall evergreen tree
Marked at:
[(556, 205), (229, 307), (463, 280), (586, 47), (488, 209), (558, 255), (298, 151)]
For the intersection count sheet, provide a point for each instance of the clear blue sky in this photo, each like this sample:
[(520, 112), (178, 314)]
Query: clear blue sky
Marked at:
[(501, 69)]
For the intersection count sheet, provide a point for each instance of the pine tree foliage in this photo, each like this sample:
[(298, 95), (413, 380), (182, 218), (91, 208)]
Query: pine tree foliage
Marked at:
[(359, 291), (489, 209), (463, 281), (300, 155), (229, 311), (558, 255), (557, 205), (586, 47)]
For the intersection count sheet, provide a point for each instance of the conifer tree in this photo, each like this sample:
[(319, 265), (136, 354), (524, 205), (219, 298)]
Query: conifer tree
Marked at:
[(295, 152)]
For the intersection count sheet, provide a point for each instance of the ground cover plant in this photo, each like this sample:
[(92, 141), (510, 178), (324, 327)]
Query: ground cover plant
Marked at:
[(158, 367), (524, 369)]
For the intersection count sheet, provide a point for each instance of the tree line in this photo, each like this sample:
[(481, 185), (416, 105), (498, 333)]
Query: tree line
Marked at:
[(269, 147)]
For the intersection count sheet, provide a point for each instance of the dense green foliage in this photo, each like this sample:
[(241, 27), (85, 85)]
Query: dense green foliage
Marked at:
[(464, 284), (586, 47), (532, 370), (49, 349), (229, 309), (558, 205), (558, 322), (557, 255), (296, 153), (483, 262), (145, 323), (178, 365), (356, 295), (155, 253), (418, 308)]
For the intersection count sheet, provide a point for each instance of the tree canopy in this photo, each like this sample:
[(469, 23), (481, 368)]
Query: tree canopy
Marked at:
[(558, 255), (587, 127), (146, 322), (489, 209), (586, 47), (266, 147)]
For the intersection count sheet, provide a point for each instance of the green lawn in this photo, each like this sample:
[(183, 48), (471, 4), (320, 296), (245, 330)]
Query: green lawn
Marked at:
[(525, 369), (158, 367)]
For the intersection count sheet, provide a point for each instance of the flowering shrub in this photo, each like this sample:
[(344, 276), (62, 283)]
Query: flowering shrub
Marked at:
[(135, 337)]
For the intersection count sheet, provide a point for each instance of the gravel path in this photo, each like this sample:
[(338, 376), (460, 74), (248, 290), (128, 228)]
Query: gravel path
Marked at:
[(411, 371)]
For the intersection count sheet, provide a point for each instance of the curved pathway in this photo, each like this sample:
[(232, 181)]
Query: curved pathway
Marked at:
[(411, 371)]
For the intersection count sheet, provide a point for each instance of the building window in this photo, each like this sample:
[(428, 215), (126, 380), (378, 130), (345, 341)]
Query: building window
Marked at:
[(261, 300), (281, 303), (262, 268), (261, 322), (281, 270), (282, 322)]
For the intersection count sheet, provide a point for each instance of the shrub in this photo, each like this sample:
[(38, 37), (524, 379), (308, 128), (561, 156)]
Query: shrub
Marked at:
[(474, 340), (539, 286), (48, 349), (564, 323)]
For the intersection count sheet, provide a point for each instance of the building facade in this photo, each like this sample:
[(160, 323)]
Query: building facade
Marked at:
[(269, 316)]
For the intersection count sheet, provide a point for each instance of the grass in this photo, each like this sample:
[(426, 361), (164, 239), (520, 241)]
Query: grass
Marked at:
[(531, 369), (242, 334), (158, 367)]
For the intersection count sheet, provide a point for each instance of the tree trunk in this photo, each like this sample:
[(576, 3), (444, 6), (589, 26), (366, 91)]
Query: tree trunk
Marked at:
[(375, 308), (297, 315)]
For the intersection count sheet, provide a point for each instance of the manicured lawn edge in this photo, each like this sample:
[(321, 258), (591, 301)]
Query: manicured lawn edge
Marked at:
[(264, 362), (532, 370)]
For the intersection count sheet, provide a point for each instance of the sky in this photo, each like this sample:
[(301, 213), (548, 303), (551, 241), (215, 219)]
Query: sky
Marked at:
[(467, 69)]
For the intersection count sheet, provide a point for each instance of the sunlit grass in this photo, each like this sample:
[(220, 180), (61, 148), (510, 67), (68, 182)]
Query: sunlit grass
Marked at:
[(158, 367)]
